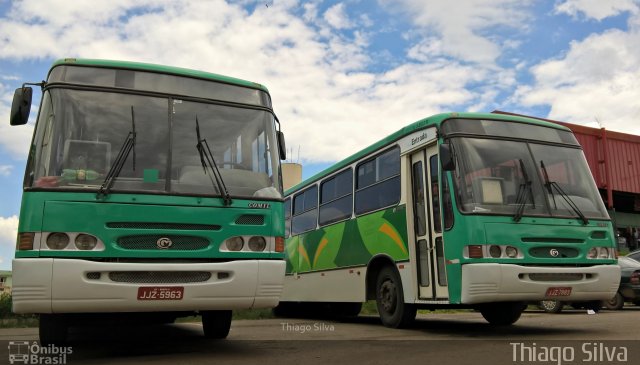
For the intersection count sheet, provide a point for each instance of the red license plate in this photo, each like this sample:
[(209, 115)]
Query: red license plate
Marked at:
[(558, 292), (160, 293)]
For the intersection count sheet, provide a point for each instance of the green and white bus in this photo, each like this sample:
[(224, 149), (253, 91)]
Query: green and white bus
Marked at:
[(150, 191), (458, 210)]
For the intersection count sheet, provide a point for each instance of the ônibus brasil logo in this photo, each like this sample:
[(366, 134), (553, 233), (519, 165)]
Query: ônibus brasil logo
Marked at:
[(24, 352)]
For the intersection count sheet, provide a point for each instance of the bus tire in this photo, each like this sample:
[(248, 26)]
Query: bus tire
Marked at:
[(394, 312), (53, 329), (216, 324), (551, 306), (615, 303), (502, 314)]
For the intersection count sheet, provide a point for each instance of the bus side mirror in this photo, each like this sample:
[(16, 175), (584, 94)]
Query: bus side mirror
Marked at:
[(282, 146), (446, 159), (21, 106)]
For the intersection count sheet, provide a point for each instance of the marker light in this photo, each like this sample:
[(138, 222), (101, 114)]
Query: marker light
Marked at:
[(279, 244), (475, 251), (25, 241)]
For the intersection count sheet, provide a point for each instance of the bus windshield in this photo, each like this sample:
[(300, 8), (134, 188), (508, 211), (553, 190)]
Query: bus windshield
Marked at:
[(80, 132), (496, 176)]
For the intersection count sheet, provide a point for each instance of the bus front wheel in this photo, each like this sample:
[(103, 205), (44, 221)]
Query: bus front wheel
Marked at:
[(502, 314), (216, 324), (393, 311), (53, 329)]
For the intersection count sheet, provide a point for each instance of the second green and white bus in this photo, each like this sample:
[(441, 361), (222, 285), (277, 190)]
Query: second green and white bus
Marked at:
[(458, 210)]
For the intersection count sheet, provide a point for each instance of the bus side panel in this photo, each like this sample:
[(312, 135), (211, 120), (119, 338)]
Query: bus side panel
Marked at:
[(350, 243), (342, 285), (329, 264)]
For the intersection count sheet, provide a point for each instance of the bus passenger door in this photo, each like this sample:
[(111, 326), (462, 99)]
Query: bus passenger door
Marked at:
[(432, 280)]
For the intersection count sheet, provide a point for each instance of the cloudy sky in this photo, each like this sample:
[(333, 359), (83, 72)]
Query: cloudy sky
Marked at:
[(342, 74)]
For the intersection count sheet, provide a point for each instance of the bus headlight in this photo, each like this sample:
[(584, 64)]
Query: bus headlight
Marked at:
[(235, 243), (511, 252), (85, 242), (495, 251), (57, 241), (257, 243), (604, 253), (601, 253)]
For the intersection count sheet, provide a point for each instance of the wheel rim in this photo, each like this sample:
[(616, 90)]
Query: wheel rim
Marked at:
[(387, 296), (548, 304)]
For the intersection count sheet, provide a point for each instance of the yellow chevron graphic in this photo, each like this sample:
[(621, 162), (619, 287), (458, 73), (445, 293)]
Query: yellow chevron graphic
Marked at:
[(389, 231), (321, 246), (303, 252)]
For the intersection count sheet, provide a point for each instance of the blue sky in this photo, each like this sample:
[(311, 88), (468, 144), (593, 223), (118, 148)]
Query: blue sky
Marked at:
[(342, 74)]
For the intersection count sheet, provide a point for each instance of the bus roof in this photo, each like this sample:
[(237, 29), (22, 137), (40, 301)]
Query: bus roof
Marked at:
[(160, 69), (413, 127)]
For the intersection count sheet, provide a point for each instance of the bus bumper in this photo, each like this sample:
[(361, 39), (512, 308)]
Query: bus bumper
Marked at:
[(483, 283), (51, 285)]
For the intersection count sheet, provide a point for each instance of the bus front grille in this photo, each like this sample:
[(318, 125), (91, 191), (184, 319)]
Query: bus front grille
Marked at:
[(159, 277), (159, 242), (250, 220), (556, 276)]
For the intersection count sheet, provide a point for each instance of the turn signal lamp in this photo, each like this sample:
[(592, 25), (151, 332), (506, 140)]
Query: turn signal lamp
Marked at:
[(25, 241), (279, 244), (475, 251)]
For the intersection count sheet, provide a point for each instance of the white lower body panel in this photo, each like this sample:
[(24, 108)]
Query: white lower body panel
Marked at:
[(483, 283), (47, 285), (342, 285)]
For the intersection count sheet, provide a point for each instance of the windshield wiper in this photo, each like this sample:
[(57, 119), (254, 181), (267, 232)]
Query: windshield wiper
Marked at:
[(114, 171), (524, 192), (550, 185), (207, 160)]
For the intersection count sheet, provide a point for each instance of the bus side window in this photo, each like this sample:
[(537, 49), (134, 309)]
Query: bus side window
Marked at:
[(305, 212), (335, 198), (378, 182)]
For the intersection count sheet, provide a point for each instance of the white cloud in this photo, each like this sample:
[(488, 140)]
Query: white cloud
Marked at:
[(317, 75), (5, 170), (8, 234), (337, 17), (8, 230), (457, 28), (598, 78), (596, 9)]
